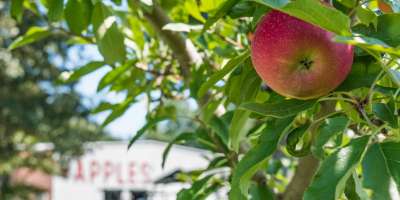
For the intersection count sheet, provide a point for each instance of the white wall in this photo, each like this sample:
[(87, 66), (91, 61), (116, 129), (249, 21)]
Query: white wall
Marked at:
[(108, 165)]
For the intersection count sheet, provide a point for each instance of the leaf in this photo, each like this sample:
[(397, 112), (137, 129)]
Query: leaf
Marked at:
[(361, 75), (84, 70), (197, 191), (112, 75), (55, 10), (181, 27), (17, 9), (279, 109), (293, 138), (261, 192), (237, 130), (384, 112), (331, 177), (366, 16), (78, 14), (243, 86), (117, 111), (178, 139), (34, 34), (367, 43), (222, 11), (103, 106), (313, 12), (354, 190), (148, 125), (256, 157), (391, 152), (220, 128), (381, 160), (395, 76), (388, 29), (110, 40), (331, 127), (230, 66), (192, 8)]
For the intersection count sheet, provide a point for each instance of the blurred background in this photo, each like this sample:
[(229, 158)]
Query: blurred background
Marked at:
[(52, 144)]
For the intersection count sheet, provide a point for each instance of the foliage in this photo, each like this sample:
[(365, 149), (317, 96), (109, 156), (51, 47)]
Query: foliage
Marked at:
[(198, 51), (38, 118)]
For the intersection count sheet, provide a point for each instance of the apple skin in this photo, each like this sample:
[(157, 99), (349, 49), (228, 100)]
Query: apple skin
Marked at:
[(384, 7), (297, 59)]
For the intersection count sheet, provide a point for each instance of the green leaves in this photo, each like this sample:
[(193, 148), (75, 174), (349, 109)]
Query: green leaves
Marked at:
[(256, 158), (279, 109), (230, 66), (386, 112), (313, 12), (110, 40), (17, 9), (34, 34), (362, 75), (55, 12), (200, 189), (151, 123), (179, 139), (331, 127), (368, 43), (222, 11), (113, 75), (293, 140), (330, 180), (86, 69), (78, 14), (237, 130), (381, 170)]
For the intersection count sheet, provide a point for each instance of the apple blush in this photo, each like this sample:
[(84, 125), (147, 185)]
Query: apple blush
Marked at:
[(297, 59)]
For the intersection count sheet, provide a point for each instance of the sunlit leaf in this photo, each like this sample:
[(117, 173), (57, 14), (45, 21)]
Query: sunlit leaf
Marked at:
[(110, 40), (222, 11), (330, 179), (330, 128), (380, 169), (313, 12), (230, 66), (84, 70), (34, 34)]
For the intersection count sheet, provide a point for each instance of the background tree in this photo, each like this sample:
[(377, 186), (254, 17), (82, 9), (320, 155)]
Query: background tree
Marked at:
[(199, 50), (33, 109)]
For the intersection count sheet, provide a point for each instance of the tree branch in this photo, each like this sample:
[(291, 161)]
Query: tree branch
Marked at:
[(308, 165), (183, 49)]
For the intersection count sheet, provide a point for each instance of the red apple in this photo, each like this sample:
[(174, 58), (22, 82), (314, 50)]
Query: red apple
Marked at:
[(297, 59)]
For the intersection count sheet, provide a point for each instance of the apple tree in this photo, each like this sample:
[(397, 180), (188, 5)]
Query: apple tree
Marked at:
[(342, 142)]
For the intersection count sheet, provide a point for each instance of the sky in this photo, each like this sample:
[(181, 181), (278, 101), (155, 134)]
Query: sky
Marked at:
[(125, 126)]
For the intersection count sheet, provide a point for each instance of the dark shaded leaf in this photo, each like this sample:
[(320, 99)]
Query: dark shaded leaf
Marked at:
[(181, 138), (257, 157), (279, 109), (143, 130), (55, 12), (78, 14)]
